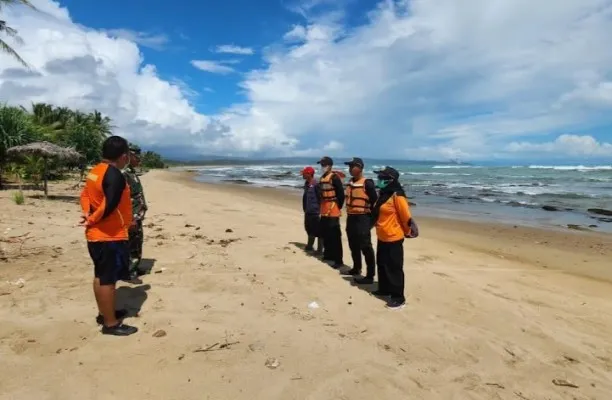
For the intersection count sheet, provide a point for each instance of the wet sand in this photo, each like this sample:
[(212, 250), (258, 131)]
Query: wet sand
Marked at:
[(495, 311)]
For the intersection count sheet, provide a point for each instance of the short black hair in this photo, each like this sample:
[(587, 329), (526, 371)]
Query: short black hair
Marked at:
[(114, 147)]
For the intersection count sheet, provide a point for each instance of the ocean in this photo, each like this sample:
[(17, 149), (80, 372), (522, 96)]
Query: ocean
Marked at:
[(535, 195)]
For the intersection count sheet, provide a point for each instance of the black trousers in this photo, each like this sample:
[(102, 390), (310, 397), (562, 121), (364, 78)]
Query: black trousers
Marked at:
[(390, 262), (358, 228), (332, 239)]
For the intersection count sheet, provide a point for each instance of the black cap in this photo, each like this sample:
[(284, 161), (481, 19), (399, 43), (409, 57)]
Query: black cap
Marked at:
[(355, 161), (388, 172), (326, 161), (135, 149)]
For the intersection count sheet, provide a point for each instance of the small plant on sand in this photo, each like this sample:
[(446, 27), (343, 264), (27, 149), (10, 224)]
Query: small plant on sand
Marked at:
[(18, 198)]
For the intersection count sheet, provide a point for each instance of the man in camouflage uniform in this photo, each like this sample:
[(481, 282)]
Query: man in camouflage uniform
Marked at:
[(139, 209)]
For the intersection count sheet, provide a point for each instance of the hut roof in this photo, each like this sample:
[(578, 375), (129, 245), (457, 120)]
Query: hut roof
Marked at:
[(46, 149)]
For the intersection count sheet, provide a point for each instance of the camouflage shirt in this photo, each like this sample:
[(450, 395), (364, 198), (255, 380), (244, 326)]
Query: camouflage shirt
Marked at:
[(139, 204)]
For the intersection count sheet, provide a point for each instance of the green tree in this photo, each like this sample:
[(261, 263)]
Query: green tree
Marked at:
[(15, 130), (151, 160), (10, 32)]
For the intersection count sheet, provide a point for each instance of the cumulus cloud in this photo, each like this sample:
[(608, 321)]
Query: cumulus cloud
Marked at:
[(418, 79), (232, 49), (156, 42), (215, 67), (573, 145), (82, 68)]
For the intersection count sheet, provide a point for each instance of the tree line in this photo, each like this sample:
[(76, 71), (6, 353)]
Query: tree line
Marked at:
[(85, 132)]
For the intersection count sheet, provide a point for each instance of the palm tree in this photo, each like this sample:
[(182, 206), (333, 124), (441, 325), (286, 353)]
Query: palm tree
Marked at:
[(8, 31), (15, 129)]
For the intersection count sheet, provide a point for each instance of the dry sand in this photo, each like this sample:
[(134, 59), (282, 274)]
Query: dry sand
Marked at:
[(495, 312)]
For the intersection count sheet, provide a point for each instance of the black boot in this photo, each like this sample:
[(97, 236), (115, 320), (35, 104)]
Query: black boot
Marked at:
[(309, 245), (319, 245)]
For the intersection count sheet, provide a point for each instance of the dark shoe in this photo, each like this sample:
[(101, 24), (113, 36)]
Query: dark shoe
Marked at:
[(119, 314), (366, 280), (378, 293), (337, 265), (396, 304), (119, 330), (352, 271)]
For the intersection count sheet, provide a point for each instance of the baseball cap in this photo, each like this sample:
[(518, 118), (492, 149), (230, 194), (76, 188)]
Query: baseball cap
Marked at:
[(135, 149), (308, 171), (326, 161), (355, 161), (388, 172)]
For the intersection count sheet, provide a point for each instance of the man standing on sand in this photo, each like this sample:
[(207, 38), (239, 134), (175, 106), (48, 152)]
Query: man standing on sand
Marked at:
[(139, 209), (107, 216), (332, 200), (311, 203), (360, 199)]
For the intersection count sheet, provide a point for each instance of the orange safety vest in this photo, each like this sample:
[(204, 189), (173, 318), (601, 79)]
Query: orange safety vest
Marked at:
[(357, 200), (93, 203), (329, 203)]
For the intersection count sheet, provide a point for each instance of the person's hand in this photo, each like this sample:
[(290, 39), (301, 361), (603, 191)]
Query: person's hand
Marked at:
[(83, 221)]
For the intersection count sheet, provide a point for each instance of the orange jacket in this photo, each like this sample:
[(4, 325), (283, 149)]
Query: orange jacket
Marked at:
[(357, 200), (329, 202), (101, 228), (393, 219)]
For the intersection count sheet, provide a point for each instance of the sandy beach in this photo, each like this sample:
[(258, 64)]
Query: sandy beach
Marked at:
[(494, 311)]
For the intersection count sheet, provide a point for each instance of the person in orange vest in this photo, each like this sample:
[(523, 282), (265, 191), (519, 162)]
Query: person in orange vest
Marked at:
[(392, 218), (311, 204), (332, 200), (107, 216), (360, 199)]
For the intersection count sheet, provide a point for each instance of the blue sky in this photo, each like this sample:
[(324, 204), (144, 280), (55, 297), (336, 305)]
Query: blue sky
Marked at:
[(484, 80)]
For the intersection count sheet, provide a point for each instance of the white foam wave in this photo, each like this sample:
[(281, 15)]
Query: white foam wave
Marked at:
[(571, 167)]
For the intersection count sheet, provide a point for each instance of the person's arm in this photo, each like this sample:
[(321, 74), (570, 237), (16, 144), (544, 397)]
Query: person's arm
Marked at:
[(402, 208), (339, 189), (113, 185), (318, 193), (370, 189), (304, 198), (85, 203)]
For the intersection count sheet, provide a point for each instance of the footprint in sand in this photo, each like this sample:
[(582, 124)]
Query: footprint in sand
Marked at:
[(425, 259)]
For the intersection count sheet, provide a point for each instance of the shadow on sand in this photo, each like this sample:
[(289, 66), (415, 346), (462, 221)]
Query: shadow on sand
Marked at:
[(132, 298), (63, 198), (146, 265), (366, 288)]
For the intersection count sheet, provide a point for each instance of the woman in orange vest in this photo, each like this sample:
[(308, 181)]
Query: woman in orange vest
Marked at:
[(360, 198), (332, 200), (392, 217), (107, 216)]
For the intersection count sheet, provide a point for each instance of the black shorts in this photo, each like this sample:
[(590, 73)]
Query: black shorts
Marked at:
[(111, 260), (312, 225)]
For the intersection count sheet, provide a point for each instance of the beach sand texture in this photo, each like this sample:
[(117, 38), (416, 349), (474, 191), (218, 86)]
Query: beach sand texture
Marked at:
[(495, 312)]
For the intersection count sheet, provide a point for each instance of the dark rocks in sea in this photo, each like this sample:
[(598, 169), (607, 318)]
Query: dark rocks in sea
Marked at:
[(550, 208), (412, 204), (600, 211), (577, 227), (237, 181), (593, 226)]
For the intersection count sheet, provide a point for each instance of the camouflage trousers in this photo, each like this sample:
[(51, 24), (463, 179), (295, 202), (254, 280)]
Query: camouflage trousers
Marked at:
[(136, 240)]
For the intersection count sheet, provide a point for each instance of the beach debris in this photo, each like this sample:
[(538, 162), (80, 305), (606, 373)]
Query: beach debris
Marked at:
[(180, 357), (19, 283), (513, 354), (570, 359), (564, 383), (313, 305), (228, 230), (160, 333), (162, 269), (497, 385), (189, 226), (216, 346), (272, 363)]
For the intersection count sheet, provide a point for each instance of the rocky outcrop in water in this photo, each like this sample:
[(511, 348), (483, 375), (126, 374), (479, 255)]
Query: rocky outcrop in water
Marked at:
[(600, 211)]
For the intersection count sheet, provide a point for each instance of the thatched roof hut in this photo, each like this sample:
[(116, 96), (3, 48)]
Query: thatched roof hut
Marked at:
[(46, 150)]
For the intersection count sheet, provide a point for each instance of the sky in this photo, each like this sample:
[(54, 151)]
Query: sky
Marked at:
[(473, 80)]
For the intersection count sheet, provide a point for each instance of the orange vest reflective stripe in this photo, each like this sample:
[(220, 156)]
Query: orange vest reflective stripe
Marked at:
[(357, 200), (329, 205), (115, 226)]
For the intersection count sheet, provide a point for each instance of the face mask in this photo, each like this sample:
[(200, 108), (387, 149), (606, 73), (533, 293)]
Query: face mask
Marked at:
[(382, 183), (324, 169)]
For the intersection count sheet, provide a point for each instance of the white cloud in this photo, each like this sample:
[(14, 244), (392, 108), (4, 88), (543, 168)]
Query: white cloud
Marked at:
[(77, 67), (216, 67), (156, 42), (419, 79), (232, 49), (565, 145)]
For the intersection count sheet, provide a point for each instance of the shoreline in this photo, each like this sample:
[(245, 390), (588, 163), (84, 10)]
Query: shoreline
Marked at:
[(550, 244), (464, 208)]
